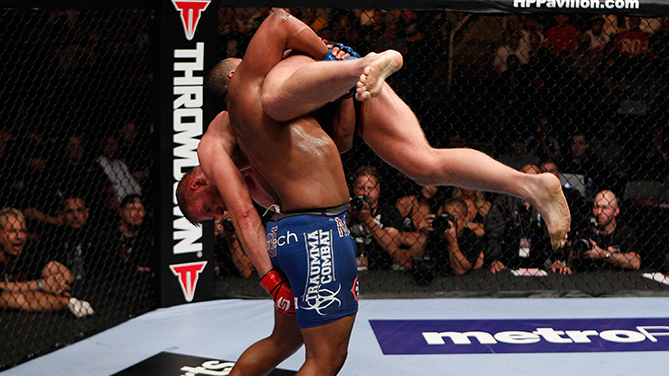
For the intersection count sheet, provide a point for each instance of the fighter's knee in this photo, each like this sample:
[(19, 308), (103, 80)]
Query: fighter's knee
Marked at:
[(424, 172)]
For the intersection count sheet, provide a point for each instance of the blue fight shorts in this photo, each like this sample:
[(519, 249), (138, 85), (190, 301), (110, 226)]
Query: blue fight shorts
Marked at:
[(317, 254)]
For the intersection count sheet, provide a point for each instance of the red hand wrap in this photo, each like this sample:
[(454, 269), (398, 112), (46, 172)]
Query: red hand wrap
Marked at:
[(277, 286)]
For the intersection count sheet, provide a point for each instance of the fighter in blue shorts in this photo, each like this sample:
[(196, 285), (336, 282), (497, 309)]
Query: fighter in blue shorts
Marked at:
[(316, 252)]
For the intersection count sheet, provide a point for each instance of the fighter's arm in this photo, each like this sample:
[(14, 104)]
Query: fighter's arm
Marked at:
[(280, 31), (214, 153)]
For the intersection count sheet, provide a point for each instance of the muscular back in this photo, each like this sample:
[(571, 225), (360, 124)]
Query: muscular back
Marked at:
[(295, 161)]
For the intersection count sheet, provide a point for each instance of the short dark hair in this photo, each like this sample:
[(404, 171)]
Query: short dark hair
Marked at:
[(129, 199), (217, 81), (183, 198)]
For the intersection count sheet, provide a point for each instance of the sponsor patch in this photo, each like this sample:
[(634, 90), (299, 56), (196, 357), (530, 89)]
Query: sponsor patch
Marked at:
[(521, 336)]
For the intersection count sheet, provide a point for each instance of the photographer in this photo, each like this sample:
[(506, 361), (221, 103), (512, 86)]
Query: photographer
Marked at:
[(417, 212), (608, 242), (374, 226), (230, 257), (517, 235), (465, 247)]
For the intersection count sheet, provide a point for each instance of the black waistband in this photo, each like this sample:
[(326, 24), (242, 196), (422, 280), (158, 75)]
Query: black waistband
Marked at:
[(330, 212)]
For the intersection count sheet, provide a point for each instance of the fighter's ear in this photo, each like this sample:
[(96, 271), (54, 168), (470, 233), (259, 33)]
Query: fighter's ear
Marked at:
[(196, 183)]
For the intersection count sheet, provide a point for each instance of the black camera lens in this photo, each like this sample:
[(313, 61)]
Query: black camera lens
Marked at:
[(441, 222), (359, 202), (581, 246)]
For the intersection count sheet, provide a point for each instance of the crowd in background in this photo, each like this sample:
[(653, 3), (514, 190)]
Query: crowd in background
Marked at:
[(580, 96)]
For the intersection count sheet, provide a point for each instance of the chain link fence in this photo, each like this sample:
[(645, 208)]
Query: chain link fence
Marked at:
[(76, 160), (75, 252), (581, 96)]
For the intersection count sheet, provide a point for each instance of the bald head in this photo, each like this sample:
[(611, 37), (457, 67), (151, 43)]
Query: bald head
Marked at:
[(608, 197)]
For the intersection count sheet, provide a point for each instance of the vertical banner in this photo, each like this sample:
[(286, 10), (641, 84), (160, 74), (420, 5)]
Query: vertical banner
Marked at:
[(187, 50)]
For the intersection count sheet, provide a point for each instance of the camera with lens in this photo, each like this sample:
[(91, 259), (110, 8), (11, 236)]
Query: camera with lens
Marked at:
[(441, 222), (580, 246), (581, 243), (359, 202)]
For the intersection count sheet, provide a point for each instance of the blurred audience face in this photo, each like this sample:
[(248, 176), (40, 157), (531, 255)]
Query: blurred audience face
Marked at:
[(550, 167), (578, 145), (75, 149), (428, 191), (75, 212), (110, 147), (605, 208), (133, 213), (12, 237), (369, 186)]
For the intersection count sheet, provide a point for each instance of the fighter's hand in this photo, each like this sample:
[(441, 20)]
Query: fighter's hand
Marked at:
[(338, 51), (277, 286)]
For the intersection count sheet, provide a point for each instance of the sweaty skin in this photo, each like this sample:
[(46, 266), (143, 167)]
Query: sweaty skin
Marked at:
[(391, 129)]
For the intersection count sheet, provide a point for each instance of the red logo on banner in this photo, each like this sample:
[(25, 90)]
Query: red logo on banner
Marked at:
[(190, 14), (188, 275)]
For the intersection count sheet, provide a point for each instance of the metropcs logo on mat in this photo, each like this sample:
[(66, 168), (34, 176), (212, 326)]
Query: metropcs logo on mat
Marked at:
[(403, 337), (190, 10), (188, 274)]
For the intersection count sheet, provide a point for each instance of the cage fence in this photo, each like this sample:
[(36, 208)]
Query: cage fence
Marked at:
[(547, 90), (579, 95), (76, 188)]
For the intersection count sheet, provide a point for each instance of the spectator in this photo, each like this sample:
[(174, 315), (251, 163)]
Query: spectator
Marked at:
[(561, 38), (417, 211), (120, 180), (22, 284), (632, 42), (652, 164), (465, 246), (584, 60), (32, 185), (614, 156), (542, 144), (609, 243), (375, 226), (582, 161), (74, 242), (76, 169), (517, 236), (517, 156), (599, 39), (478, 208), (134, 245), (529, 31), (230, 257), (510, 48), (135, 151)]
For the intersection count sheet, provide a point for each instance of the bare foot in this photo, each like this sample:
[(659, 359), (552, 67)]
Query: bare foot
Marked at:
[(379, 67), (552, 206)]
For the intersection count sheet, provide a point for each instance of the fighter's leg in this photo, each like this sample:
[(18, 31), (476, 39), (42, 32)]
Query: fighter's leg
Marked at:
[(299, 85), (392, 130), (326, 347), (263, 356)]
